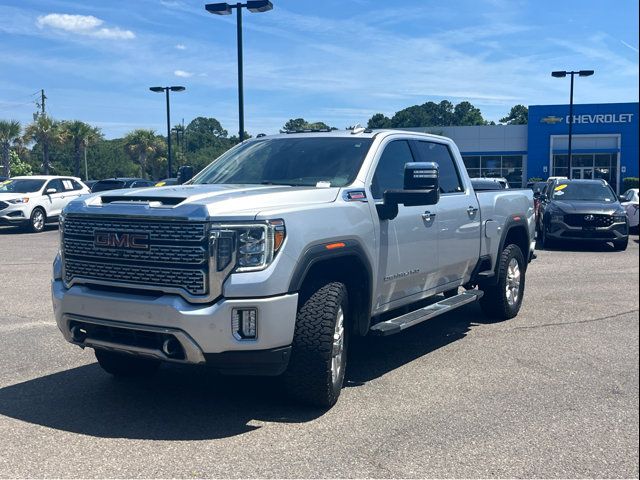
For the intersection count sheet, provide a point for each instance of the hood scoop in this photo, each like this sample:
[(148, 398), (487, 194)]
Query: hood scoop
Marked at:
[(142, 199)]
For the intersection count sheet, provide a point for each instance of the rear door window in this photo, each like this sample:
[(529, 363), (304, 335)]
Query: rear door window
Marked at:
[(450, 181)]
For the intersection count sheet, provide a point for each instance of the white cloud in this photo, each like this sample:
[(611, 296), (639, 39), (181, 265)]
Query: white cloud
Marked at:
[(182, 73), (87, 25), (180, 46)]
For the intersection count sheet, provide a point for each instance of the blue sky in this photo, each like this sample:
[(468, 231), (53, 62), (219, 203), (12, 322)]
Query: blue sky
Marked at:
[(337, 61)]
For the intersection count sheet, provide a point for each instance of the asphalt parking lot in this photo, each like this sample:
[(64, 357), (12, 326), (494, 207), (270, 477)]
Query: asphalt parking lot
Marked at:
[(552, 393)]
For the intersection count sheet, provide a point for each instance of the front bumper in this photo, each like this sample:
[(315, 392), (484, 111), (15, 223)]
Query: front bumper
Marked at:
[(561, 231), (14, 215), (138, 324)]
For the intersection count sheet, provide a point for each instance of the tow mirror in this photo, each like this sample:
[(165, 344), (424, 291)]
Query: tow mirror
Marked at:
[(51, 191), (421, 187), (185, 173)]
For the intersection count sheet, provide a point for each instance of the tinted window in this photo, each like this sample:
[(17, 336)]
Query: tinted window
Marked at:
[(76, 185), (297, 161), (103, 185), (436, 152), (578, 191), (57, 184), (390, 170), (20, 186)]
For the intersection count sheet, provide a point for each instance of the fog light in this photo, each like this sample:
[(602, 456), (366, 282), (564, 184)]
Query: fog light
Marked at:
[(244, 323)]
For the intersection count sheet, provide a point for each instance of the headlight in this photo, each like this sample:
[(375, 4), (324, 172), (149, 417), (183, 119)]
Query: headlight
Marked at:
[(18, 200), (253, 245), (619, 218)]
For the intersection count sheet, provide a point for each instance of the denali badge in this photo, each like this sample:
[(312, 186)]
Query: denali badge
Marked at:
[(135, 241), (589, 218)]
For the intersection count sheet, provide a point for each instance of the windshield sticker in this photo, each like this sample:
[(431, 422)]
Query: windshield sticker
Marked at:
[(160, 184), (323, 184), (561, 187), (559, 192), (6, 182)]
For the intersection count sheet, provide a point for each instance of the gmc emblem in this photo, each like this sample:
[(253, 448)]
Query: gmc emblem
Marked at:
[(134, 241)]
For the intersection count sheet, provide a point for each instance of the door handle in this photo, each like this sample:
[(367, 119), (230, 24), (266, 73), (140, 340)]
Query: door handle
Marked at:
[(472, 211), (428, 216)]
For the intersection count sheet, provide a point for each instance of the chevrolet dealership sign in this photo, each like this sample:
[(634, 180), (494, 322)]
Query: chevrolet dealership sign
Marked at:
[(596, 118)]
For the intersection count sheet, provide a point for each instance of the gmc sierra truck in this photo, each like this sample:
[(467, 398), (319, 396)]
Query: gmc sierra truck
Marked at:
[(283, 248)]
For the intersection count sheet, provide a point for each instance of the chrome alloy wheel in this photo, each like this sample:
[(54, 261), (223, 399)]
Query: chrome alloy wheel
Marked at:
[(512, 288), (38, 220), (338, 348)]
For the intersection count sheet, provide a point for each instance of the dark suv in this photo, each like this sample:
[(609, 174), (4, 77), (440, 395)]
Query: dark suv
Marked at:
[(117, 183), (582, 210)]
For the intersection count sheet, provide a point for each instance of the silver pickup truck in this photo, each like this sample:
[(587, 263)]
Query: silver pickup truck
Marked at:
[(283, 248)]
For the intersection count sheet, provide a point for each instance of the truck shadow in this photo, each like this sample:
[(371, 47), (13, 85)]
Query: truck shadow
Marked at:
[(186, 403)]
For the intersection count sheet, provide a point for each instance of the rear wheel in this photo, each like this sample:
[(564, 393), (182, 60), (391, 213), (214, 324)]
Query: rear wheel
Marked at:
[(37, 220), (319, 356), (123, 365), (621, 245), (502, 301)]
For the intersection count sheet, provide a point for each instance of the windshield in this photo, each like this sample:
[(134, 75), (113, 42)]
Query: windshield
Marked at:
[(21, 186), (594, 192), (320, 161)]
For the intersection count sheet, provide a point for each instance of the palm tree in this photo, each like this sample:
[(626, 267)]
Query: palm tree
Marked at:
[(145, 147), (81, 134), (9, 134), (45, 131)]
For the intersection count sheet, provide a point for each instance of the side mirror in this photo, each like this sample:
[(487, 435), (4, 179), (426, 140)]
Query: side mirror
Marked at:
[(185, 173), (421, 187), (50, 191)]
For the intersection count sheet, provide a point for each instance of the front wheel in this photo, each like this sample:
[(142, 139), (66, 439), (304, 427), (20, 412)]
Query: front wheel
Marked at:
[(502, 301), (124, 365), (319, 356), (37, 220)]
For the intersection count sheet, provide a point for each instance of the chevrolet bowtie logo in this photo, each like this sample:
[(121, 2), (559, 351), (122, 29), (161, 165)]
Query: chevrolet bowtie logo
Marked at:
[(551, 120)]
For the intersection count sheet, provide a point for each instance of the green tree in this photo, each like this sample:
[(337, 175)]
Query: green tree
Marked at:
[(379, 120), (81, 135), (145, 148), (9, 135), (204, 132), (296, 124), (519, 115), (45, 131), (466, 114), (18, 167)]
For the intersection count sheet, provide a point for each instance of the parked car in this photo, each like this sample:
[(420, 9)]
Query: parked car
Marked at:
[(167, 182), (90, 183), (118, 183), (582, 210), (283, 248), (480, 184), (37, 200), (629, 201)]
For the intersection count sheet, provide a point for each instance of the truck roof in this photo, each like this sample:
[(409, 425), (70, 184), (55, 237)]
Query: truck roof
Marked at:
[(350, 133)]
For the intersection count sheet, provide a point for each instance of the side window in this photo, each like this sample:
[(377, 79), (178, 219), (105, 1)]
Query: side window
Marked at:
[(76, 185), (68, 184), (449, 177), (57, 184), (390, 170)]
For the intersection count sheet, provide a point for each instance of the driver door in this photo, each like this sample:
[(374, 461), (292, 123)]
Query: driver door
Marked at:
[(408, 257), (56, 200)]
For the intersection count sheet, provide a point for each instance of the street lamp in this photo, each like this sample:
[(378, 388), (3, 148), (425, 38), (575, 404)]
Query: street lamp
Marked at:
[(257, 6), (562, 74), (167, 90)]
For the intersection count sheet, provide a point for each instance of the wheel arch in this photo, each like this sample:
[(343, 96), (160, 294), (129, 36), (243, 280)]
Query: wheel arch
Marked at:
[(348, 264)]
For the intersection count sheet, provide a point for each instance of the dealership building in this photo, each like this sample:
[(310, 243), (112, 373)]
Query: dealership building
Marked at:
[(604, 144)]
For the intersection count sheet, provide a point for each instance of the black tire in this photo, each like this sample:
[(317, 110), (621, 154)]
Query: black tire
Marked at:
[(621, 245), (37, 220), (123, 365), (495, 302), (310, 377), (547, 242)]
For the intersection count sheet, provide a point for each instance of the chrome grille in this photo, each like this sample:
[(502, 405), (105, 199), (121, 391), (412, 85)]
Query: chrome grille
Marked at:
[(176, 259)]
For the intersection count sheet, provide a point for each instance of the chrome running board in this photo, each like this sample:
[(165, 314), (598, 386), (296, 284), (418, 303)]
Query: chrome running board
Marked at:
[(402, 322)]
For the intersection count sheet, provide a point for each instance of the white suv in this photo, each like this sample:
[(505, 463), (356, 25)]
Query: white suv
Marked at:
[(34, 201)]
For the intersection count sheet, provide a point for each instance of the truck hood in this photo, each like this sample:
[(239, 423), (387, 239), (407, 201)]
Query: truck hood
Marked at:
[(581, 207), (207, 200)]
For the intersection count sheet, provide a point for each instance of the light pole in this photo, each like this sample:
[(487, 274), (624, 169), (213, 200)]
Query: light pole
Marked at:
[(257, 6), (562, 74), (166, 90)]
